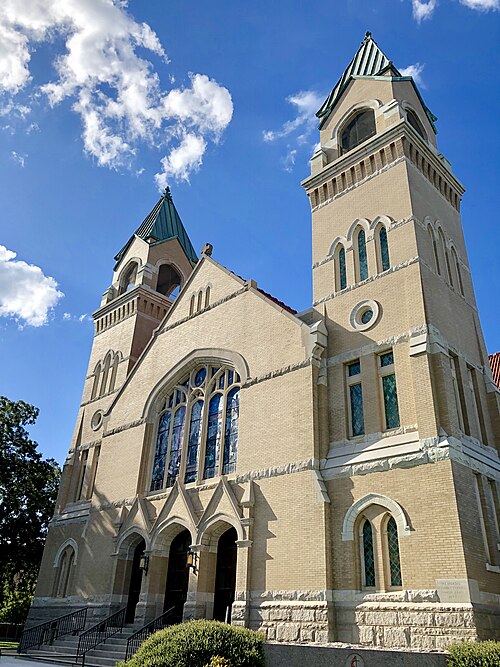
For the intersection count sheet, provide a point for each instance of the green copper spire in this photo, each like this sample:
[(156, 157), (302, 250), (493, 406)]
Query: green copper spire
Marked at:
[(163, 223), (369, 61)]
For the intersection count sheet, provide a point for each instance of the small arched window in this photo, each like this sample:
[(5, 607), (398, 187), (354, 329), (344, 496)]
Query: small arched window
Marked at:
[(415, 123), (95, 385), (340, 268), (383, 248), (434, 249), (64, 574), (207, 400), (368, 554), (394, 562), (457, 270), (358, 129), (362, 261), (169, 281)]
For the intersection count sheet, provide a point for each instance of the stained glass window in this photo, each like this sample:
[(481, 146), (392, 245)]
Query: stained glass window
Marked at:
[(176, 445), (185, 418), (393, 547), (193, 441), (161, 452), (357, 417), (384, 249), (390, 401), (214, 432), (367, 316), (354, 368), (368, 554), (231, 431), (387, 359), (342, 269), (363, 263)]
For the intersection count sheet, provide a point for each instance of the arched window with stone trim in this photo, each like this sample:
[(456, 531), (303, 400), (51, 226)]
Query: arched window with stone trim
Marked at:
[(169, 281), (64, 573), (384, 262), (340, 268), (360, 254), (200, 417), (356, 130), (414, 122), (95, 382), (128, 278)]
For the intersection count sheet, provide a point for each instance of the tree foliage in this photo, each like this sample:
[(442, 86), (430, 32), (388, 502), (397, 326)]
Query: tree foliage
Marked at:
[(28, 491)]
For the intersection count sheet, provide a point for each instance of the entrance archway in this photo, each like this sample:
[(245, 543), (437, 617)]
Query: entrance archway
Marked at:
[(134, 589), (177, 575), (225, 575)]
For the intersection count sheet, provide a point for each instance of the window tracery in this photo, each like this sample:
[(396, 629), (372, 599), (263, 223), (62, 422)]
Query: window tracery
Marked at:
[(198, 427), (64, 578), (105, 374)]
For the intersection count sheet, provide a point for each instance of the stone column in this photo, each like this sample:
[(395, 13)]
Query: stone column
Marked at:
[(152, 588), (240, 613), (200, 597)]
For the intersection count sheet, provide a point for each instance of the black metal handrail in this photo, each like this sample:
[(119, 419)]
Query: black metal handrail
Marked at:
[(99, 632), (46, 633), (135, 640)]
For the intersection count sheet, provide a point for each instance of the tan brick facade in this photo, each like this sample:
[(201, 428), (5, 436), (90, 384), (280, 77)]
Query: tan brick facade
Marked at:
[(364, 495)]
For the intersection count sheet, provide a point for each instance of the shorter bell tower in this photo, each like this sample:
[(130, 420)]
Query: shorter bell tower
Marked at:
[(149, 272)]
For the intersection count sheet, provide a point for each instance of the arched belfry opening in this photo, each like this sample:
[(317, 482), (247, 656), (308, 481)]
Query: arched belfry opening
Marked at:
[(169, 281)]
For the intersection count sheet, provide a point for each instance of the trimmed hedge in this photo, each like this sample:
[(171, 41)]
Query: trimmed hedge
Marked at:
[(474, 654), (196, 643), (217, 661)]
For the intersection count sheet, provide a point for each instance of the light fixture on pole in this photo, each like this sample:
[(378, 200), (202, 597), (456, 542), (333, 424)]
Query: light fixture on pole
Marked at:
[(192, 560), (144, 563)]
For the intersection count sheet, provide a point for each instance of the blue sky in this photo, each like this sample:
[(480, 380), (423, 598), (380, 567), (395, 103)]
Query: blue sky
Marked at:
[(102, 104)]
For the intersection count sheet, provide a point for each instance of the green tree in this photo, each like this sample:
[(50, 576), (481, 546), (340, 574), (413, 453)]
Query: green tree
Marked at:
[(28, 491)]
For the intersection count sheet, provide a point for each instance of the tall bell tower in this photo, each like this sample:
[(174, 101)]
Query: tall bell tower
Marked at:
[(413, 411), (149, 272)]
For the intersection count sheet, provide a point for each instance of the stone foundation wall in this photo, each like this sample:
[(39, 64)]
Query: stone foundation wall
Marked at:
[(417, 626)]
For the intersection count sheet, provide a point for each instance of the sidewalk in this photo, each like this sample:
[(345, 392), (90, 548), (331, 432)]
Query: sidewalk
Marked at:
[(9, 660)]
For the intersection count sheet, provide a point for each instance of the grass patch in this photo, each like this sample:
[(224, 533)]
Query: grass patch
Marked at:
[(12, 645)]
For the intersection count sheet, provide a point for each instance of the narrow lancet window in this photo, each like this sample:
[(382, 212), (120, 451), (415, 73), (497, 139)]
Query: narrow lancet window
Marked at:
[(340, 269), (231, 431), (161, 452), (393, 549), (389, 389), (368, 555), (362, 259), (384, 249), (214, 432), (194, 442)]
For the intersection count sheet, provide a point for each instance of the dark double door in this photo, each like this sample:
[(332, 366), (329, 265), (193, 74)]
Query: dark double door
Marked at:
[(177, 575), (225, 576)]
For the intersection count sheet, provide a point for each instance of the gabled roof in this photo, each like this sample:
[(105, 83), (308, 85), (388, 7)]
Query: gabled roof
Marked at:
[(369, 61), (163, 223)]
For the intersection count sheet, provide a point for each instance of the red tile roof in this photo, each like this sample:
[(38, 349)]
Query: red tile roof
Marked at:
[(495, 367), (279, 303)]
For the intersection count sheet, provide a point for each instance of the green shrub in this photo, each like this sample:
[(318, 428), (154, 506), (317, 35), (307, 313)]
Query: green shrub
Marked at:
[(474, 654), (195, 643)]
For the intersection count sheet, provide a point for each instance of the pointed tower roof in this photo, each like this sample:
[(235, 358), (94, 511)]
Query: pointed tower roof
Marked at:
[(163, 223), (369, 61)]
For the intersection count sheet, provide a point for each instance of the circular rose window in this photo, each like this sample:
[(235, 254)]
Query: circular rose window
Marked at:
[(365, 315), (96, 421)]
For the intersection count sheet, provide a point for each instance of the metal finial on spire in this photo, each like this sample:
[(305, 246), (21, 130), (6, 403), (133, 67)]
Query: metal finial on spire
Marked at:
[(367, 37), (167, 193)]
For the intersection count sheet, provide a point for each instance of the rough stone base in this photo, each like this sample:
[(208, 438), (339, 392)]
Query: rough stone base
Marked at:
[(416, 626), (333, 655), (288, 621)]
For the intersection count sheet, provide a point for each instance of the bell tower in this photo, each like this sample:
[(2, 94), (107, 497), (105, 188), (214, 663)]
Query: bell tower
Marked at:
[(413, 409), (149, 272)]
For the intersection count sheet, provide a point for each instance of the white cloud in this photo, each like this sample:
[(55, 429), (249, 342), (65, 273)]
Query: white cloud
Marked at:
[(26, 294), (481, 5), (422, 9), (306, 103), (182, 160), (117, 94), (17, 157), (414, 71), (289, 160)]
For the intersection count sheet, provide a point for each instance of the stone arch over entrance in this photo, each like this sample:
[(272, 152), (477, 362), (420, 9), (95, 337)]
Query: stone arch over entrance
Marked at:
[(128, 576)]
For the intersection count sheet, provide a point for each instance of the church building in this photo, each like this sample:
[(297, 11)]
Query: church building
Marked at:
[(328, 475)]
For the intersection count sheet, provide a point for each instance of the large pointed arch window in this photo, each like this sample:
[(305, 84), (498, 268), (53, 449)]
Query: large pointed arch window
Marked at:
[(197, 434)]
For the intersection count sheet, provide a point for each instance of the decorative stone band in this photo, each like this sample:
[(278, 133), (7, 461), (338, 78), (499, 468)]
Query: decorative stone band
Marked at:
[(84, 446), (278, 372), (124, 427)]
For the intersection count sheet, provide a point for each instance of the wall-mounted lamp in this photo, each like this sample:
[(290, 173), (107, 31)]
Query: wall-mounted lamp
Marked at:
[(192, 560), (144, 563)]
